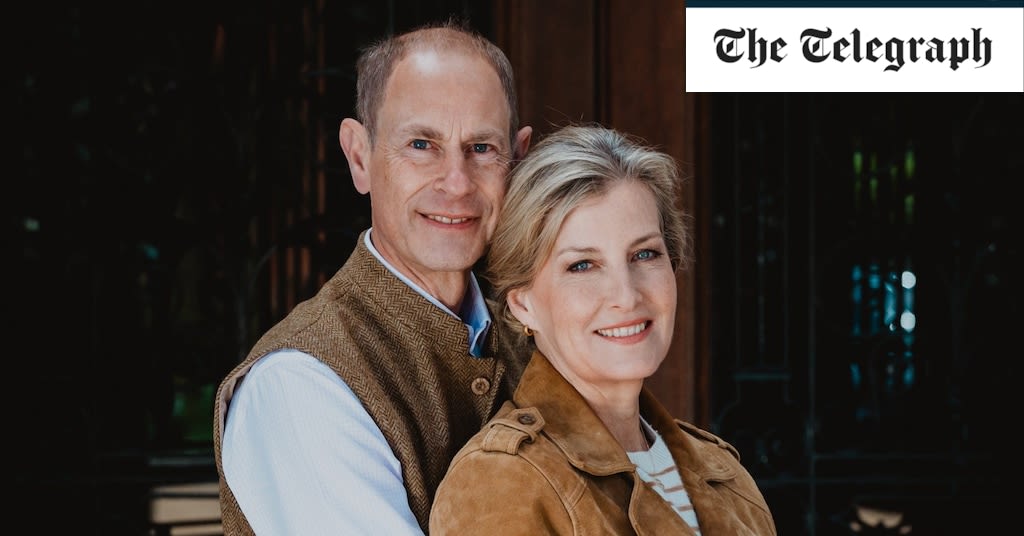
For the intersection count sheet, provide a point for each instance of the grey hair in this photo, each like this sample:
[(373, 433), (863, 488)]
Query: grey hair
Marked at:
[(569, 166), (377, 62)]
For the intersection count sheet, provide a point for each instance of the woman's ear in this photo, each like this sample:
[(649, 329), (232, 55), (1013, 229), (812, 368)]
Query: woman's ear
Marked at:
[(520, 306), (355, 142)]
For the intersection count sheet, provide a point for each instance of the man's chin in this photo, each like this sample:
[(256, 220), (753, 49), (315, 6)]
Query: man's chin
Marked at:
[(449, 257)]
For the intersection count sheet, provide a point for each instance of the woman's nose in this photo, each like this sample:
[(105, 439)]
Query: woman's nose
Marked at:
[(624, 289)]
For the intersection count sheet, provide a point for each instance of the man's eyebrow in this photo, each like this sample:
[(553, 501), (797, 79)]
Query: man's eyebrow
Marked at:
[(421, 131), (488, 134), (427, 132)]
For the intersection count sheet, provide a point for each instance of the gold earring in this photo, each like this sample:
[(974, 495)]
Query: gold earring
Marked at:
[(527, 331)]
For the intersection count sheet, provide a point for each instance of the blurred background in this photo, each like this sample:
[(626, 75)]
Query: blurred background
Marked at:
[(848, 323)]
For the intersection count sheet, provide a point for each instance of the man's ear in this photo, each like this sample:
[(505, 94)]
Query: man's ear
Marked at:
[(355, 142), (522, 143), (520, 306)]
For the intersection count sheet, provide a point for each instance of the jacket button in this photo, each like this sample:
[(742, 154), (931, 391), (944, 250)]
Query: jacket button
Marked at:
[(527, 419), (481, 386)]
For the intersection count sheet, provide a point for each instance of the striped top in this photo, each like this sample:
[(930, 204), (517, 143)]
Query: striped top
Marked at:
[(656, 467)]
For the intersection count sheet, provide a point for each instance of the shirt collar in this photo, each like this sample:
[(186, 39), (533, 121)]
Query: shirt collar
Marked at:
[(476, 315)]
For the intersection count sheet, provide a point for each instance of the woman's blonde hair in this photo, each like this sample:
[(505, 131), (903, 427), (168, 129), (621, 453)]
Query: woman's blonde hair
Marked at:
[(569, 166)]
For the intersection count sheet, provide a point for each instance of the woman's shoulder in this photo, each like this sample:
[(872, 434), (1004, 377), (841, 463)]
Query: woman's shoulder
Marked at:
[(509, 429), (708, 437), (513, 438), (504, 480)]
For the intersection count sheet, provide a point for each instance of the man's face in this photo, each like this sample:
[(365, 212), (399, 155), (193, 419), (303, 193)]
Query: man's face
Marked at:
[(438, 164)]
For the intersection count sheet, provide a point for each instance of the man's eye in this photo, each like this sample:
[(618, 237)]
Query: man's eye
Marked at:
[(420, 144), (481, 147), (580, 266)]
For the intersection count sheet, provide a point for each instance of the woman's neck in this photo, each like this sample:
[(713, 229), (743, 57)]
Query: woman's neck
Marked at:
[(622, 418), (616, 403)]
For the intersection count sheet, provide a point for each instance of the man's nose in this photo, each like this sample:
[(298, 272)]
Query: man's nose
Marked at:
[(457, 178)]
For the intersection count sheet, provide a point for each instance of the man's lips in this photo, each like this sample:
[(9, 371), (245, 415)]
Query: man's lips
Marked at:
[(447, 220)]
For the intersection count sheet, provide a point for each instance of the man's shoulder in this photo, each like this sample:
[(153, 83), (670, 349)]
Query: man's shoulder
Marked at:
[(346, 291)]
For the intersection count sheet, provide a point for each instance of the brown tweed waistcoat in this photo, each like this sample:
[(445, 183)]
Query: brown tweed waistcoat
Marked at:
[(407, 361)]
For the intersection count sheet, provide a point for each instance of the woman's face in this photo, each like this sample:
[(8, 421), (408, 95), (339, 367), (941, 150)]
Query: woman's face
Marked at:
[(603, 303)]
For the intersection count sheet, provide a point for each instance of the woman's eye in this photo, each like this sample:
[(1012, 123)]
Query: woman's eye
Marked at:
[(419, 144), (647, 254), (580, 266)]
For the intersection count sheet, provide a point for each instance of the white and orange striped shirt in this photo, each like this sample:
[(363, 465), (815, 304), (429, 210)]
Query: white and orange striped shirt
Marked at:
[(656, 467)]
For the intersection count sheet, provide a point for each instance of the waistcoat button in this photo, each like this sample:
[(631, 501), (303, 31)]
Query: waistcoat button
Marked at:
[(481, 386)]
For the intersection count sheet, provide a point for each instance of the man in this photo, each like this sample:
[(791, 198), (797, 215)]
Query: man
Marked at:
[(345, 415)]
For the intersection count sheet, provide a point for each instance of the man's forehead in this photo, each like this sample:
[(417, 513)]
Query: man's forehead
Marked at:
[(430, 60), (437, 93), (425, 61)]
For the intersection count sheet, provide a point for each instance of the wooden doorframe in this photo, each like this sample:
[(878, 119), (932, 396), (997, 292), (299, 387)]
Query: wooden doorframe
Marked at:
[(622, 63)]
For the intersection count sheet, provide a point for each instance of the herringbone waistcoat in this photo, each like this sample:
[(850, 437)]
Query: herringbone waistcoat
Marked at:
[(407, 361)]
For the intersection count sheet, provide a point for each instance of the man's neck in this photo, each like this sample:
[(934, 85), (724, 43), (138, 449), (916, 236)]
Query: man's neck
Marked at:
[(445, 289)]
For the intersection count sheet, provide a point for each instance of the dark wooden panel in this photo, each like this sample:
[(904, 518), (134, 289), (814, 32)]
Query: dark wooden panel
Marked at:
[(551, 47), (642, 93), (621, 63)]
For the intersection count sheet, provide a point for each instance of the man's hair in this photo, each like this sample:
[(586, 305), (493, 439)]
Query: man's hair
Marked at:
[(377, 62), (569, 166)]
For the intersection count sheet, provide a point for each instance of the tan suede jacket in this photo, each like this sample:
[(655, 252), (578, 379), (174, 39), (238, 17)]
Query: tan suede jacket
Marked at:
[(545, 464)]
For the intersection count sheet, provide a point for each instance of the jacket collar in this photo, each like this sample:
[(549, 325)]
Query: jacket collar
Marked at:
[(590, 447), (569, 421), (693, 449)]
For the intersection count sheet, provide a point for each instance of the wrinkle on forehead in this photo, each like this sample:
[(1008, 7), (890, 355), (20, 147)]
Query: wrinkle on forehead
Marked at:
[(449, 95)]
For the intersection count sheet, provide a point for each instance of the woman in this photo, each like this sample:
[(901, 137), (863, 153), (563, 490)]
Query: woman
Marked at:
[(584, 259)]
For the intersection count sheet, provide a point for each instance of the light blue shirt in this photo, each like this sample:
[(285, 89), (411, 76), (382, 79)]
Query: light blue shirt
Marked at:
[(303, 456)]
